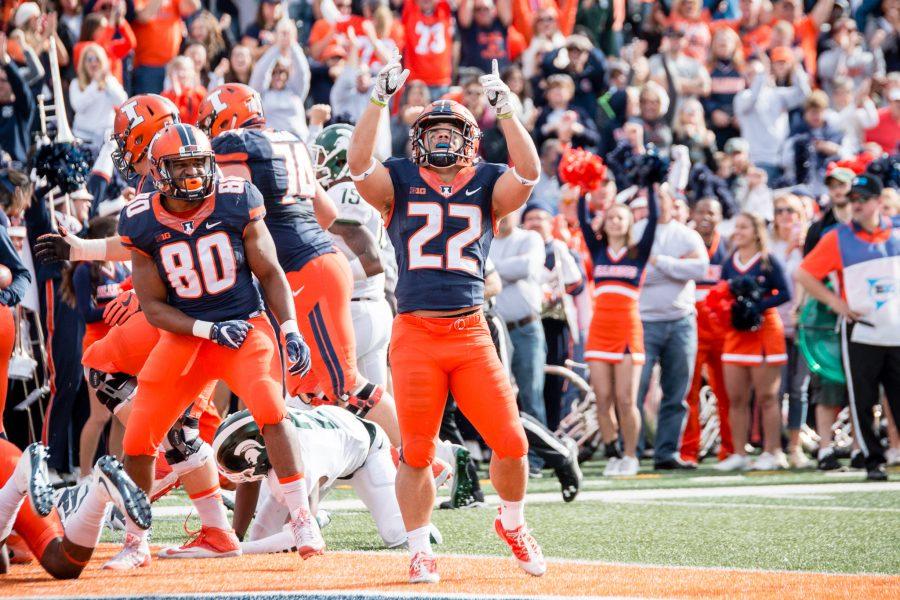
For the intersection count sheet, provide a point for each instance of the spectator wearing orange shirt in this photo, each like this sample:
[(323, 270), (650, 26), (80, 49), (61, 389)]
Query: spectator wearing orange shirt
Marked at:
[(97, 28), (428, 28), (523, 14), (690, 17), (806, 28), (331, 30), (887, 132), (754, 33), (158, 28), (185, 90)]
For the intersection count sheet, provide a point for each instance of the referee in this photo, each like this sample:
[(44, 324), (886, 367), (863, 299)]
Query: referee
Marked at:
[(865, 254)]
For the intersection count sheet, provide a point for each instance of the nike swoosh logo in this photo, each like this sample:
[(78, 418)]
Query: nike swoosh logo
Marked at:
[(475, 191), (298, 290), (211, 225)]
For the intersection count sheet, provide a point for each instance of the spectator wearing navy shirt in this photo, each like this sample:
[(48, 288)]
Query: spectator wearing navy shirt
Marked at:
[(17, 108), (483, 31), (15, 193)]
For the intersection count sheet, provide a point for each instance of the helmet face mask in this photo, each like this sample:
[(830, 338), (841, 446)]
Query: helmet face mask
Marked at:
[(330, 154), (240, 450), (445, 135), (182, 163)]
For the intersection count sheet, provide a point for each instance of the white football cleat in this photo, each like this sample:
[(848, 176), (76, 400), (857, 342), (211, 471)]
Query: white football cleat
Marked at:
[(524, 547), (307, 535), (423, 568), (612, 467), (770, 461), (134, 555)]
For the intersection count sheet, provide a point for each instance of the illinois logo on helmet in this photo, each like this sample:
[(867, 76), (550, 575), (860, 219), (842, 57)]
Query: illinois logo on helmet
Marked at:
[(444, 135), (230, 106), (137, 120), (179, 142)]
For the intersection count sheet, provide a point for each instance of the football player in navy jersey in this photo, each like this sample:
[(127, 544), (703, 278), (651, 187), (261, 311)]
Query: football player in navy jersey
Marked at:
[(195, 247), (440, 208)]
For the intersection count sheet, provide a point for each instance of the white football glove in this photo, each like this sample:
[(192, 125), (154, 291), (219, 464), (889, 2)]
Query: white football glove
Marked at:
[(389, 80), (497, 92)]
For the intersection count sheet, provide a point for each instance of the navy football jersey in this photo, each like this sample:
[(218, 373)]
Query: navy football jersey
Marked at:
[(200, 258), (278, 164), (441, 234)]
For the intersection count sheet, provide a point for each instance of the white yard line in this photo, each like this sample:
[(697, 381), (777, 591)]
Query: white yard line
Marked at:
[(799, 491)]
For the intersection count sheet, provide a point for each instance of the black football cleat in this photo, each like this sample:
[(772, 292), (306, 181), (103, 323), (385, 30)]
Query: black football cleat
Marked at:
[(122, 491), (570, 475), (33, 478)]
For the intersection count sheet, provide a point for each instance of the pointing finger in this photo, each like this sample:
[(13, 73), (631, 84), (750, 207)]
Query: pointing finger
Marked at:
[(494, 70)]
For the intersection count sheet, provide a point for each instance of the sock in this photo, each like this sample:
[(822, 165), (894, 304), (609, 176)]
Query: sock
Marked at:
[(11, 500), (512, 514), (419, 540), (296, 496), (132, 529), (823, 452), (86, 524), (210, 508)]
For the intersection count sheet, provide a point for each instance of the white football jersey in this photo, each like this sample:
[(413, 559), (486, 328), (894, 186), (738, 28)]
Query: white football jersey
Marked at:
[(333, 443), (351, 207)]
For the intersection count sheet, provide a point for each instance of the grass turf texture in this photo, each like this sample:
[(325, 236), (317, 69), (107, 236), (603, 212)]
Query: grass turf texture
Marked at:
[(742, 531)]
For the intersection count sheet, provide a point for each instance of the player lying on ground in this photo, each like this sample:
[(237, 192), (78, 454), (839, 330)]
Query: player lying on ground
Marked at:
[(62, 552), (336, 445)]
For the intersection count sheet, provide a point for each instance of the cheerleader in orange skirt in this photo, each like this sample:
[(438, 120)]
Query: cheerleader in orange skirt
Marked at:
[(615, 343), (753, 358)]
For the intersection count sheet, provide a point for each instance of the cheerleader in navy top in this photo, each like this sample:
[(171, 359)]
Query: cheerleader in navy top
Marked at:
[(618, 273), (752, 359), (615, 343), (749, 259)]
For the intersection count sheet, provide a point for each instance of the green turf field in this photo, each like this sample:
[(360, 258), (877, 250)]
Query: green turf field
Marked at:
[(847, 532)]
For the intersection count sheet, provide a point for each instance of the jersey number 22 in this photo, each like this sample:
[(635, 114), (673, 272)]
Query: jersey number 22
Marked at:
[(452, 257)]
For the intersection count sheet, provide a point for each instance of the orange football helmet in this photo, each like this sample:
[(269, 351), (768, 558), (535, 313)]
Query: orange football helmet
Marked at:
[(230, 106), (179, 142), (137, 120), (445, 134)]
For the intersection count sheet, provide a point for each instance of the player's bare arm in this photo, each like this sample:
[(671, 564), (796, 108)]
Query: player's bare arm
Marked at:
[(264, 264), (514, 187), (370, 176), (326, 211), (245, 500), (151, 291), (362, 243)]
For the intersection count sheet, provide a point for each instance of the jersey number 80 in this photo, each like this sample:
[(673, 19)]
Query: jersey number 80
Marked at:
[(218, 266)]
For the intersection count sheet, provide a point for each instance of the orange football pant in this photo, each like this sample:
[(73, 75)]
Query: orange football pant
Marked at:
[(37, 531), (433, 356), (709, 354), (322, 290), (125, 348), (7, 341), (180, 367)]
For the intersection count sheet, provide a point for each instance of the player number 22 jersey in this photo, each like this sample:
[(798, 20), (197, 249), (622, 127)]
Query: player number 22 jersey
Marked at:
[(441, 234)]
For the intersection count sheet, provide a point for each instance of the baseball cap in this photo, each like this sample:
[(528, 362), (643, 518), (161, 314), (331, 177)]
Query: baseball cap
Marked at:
[(841, 174), (25, 12), (782, 53), (532, 206), (867, 186), (737, 144)]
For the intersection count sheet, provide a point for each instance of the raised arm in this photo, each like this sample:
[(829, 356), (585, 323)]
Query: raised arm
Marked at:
[(372, 179), (645, 244), (513, 187), (584, 220)]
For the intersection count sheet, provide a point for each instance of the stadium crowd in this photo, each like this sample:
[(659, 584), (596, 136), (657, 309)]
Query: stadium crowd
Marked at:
[(780, 120)]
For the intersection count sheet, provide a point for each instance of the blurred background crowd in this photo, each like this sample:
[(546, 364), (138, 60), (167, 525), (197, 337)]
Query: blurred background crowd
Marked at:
[(774, 106)]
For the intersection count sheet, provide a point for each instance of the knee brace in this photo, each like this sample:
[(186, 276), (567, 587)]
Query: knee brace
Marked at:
[(184, 449), (364, 399), (114, 390)]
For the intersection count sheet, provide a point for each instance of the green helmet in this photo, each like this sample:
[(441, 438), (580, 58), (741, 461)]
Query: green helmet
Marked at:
[(330, 154), (240, 449)]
